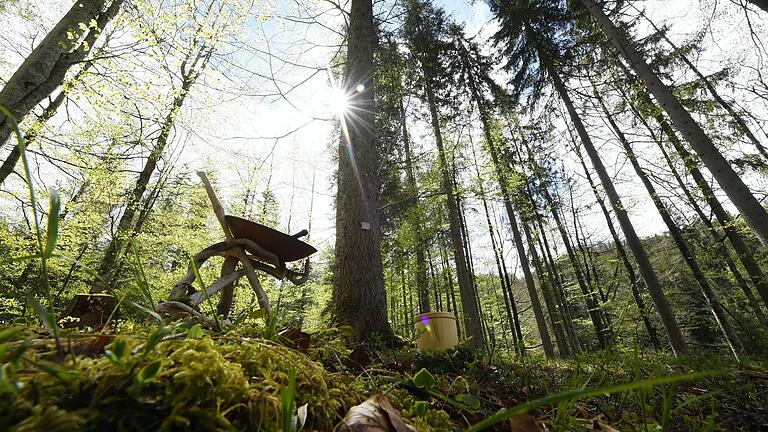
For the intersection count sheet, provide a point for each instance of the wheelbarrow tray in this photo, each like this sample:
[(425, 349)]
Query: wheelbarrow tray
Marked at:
[(287, 248)]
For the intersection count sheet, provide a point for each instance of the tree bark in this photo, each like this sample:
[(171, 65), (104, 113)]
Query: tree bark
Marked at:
[(751, 209), (683, 246), (633, 241), (413, 189), (593, 304), (555, 318), (50, 110), (46, 66), (359, 298)]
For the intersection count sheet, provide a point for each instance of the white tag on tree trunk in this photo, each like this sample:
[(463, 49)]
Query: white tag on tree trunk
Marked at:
[(366, 226)]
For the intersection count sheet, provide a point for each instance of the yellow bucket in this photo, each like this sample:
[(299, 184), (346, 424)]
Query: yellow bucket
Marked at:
[(436, 331)]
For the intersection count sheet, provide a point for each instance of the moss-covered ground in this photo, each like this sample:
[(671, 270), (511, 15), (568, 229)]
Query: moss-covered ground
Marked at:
[(184, 378)]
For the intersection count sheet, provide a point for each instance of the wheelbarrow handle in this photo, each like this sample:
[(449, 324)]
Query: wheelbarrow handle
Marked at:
[(300, 234)]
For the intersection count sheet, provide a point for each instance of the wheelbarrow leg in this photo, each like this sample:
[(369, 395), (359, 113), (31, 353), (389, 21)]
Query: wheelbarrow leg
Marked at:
[(228, 292)]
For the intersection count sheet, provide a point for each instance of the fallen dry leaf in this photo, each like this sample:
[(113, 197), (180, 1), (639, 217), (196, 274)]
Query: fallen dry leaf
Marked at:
[(374, 415), (523, 423)]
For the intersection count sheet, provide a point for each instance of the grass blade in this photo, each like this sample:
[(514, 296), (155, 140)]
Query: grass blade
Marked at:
[(580, 394), (52, 230)]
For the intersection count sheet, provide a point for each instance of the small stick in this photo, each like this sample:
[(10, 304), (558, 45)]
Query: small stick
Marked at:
[(250, 273)]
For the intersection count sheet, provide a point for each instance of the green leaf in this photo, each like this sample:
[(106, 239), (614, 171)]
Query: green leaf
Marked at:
[(288, 402), (44, 314), (155, 338), (195, 332), (468, 400), (52, 234), (421, 408), (20, 258), (117, 352), (8, 334), (149, 371), (423, 379)]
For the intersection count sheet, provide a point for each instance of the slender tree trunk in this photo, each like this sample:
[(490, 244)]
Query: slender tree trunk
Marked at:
[(471, 314), (556, 282), (538, 312), (751, 209), (413, 189), (633, 241), (496, 254), (707, 291), (717, 237), (359, 297), (633, 279), (591, 300), (46, 66), (554, 315), (127, 221)]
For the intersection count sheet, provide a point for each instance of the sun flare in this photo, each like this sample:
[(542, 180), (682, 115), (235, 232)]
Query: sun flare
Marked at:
[(338, 102)]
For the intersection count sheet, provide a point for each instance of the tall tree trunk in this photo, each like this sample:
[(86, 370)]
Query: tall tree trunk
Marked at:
[(538, 312), (556, 282), (743, 251), (496, 253), (633, 241), (684, 247), (593, 304), (717, 237), (742, 124), (413, 189), (633, 279), (359, 298), (751, 209), (471, 314), (127, 221), (46, 66), (555, 317)]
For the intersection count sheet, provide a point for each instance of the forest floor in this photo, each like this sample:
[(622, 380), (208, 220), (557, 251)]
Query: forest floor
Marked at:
[(184, 378)]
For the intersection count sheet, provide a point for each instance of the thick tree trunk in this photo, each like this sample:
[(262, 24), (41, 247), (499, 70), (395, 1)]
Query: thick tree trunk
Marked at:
[(472, 321), (633, 241), (633, 279), (742, 124), (50, 110), (707, 291), (413, 189), (46, 66), (359, 297), (751, 209)]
